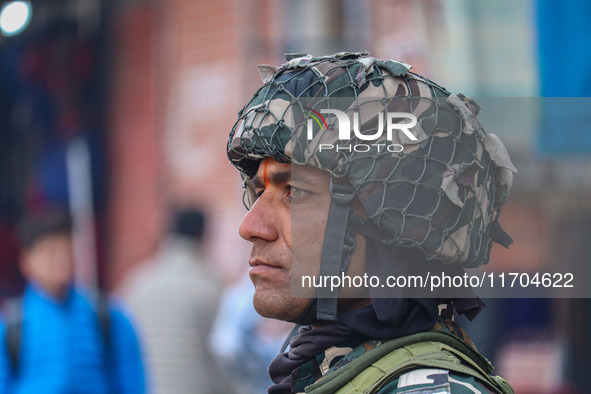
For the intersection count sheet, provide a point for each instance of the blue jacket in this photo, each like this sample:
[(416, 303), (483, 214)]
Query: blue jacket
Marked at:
[(63, 349)]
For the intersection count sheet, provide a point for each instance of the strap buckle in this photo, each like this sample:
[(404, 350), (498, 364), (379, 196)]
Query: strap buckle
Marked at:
[(342, 193)]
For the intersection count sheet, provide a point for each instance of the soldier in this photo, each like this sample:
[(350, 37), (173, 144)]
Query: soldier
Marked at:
[(356, 168)]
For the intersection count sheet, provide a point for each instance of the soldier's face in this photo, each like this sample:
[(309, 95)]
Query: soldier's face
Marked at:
[(286, 226)]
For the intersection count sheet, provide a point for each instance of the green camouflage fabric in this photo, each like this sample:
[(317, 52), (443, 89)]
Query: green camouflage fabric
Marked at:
[(434, 381), (442, 193), (334, 363), (419, 380)]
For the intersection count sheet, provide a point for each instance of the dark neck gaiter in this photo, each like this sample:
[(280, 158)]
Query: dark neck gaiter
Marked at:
[(359, 326)]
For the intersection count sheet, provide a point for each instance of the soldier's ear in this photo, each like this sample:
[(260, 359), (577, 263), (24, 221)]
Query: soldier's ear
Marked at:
[(358, 208)]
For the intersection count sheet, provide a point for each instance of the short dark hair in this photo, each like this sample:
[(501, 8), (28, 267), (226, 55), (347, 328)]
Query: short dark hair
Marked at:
[(49, 222), (189, 223)]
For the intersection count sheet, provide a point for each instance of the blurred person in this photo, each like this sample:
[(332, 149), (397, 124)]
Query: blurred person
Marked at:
[(320, 207), (239, 333), (58, 338), (174, 298)]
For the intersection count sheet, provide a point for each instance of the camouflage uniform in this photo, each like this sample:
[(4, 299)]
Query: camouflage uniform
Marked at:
[(421, 380)]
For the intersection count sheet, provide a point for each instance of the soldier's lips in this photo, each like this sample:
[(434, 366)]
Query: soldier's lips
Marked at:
[(259, 269), (261, 266)]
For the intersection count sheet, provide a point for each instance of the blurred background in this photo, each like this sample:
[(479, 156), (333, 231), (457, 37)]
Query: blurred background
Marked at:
[(121, 110)]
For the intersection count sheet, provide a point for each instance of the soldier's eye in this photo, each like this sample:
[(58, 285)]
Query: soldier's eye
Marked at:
[(296, 193)]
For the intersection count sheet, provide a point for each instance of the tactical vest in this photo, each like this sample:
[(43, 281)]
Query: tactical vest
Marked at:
[(382, 365)]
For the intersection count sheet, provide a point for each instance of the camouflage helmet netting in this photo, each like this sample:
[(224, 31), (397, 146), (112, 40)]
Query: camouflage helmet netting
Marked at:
[(441, 194)]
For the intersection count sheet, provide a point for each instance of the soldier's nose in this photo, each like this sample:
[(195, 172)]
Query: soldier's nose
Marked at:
[(258, 223)]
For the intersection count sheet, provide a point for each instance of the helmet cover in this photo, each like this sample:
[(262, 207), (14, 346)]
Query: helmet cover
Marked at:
[(440, 192)]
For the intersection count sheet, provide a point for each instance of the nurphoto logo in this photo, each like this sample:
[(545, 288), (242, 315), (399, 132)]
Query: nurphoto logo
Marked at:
[(344, 128)]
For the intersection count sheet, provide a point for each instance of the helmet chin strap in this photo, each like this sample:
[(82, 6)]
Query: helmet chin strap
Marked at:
[(334, 255), (311, 314), (339, 242)]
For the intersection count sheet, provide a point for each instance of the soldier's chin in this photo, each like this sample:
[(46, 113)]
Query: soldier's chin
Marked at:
[(287, 309)]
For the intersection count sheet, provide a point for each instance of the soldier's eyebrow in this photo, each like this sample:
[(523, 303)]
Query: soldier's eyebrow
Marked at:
[(307, 176), (278, 178)]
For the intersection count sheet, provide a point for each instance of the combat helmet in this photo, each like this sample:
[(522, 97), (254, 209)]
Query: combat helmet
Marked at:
[(438, 189)]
